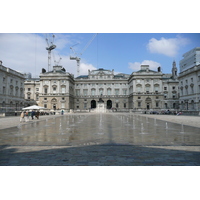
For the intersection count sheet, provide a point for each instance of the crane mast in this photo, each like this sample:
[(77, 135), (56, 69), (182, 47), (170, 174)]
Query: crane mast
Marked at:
[(78, 58), (49, 49)]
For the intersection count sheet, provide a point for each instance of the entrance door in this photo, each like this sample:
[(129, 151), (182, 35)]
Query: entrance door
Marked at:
[(93, 104), (147, 106), (109, 104)]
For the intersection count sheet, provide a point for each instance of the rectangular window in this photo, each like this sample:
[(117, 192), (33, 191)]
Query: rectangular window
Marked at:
[(124, 92), (109, 92), (78, 92), (63, 105), (93, 92), (4, 90), (116, 91), (63, 89), (85, 92)]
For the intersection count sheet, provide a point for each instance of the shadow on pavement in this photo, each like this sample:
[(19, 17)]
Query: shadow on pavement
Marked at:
[(96, 155)]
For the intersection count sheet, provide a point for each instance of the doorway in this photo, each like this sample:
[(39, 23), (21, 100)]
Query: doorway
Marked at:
[(93, 104), (109, 104)]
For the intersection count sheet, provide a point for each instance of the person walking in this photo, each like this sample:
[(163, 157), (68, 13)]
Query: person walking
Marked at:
[(37, 114), (21, 117), (32, 114), (26, 116)]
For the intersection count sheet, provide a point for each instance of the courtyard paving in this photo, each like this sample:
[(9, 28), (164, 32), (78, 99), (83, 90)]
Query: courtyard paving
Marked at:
[(113, 139)]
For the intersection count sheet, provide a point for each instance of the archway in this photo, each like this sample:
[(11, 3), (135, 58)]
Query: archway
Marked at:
[(109, 104), (148, 103), (54, 103), (93, 104)]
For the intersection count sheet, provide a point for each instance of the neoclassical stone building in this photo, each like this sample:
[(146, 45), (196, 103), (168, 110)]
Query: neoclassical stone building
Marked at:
[(150, 89), (142, 90), (11, 90)]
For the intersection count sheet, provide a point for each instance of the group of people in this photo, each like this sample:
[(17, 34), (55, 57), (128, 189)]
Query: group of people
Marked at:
[(25, 115)]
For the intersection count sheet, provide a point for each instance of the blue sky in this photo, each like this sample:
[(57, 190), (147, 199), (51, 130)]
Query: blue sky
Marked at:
[(129, 34), (123, 52)]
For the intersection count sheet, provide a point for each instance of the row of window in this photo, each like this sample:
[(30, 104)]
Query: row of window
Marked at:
[(189, 91), (101, 92), (13, 91), (100, 84), (12, 81)]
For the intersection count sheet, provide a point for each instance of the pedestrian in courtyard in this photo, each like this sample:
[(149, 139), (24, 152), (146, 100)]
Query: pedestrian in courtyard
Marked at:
[(32, 114), (37, 114), (26, 116), (21, 117)]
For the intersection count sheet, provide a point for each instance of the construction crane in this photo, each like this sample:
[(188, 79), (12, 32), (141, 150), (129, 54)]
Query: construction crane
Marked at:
[(56, 62), (49, 49), (84, 49)]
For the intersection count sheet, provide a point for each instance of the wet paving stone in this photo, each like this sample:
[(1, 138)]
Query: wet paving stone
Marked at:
[(120, 139)]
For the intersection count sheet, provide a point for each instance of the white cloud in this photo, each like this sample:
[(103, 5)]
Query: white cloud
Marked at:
[(168, 47), (84, 67), (27, 53), (152, 65)]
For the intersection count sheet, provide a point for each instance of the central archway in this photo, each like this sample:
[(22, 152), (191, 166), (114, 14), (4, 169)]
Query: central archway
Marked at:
[(93, 104), (109, 104)]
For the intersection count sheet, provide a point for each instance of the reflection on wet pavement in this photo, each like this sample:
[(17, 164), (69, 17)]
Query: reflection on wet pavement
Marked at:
[(96, 129)]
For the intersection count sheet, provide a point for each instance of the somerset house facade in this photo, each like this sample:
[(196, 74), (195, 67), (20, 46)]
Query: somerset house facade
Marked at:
[(145, 89), (142, 90)]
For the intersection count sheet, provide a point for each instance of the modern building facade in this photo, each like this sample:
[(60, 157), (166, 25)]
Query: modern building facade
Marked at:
[(11, 90), (189, 80)]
